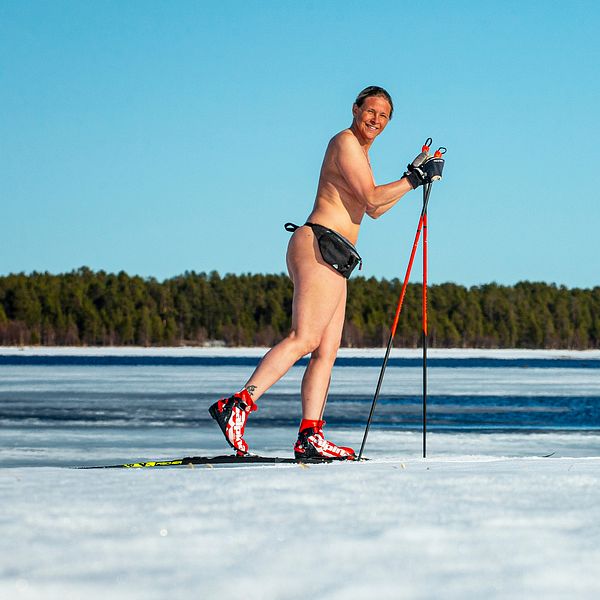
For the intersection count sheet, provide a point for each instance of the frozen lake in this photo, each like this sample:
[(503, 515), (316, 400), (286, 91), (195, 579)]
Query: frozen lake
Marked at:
[(483, 515), (62, 407)]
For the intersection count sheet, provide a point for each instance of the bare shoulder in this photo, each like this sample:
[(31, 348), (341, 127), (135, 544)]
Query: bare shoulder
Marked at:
[(344, 139), (345, 144)]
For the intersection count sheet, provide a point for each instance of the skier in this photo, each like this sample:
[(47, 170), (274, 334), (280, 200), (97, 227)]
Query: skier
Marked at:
[(320, 257)]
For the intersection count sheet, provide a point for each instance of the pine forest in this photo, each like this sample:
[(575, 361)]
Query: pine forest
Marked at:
[(90, 308)]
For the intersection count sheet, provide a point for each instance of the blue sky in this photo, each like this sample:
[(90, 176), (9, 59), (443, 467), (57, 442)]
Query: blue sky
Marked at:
[(160, 137)]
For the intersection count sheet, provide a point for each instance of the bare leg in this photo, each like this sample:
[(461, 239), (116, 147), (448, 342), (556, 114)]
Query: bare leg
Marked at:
[(315, 382), (318, 291)]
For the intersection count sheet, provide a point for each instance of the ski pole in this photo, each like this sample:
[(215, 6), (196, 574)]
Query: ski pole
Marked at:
[(426, 192), (425, 333), (422, 219), (438, 154)]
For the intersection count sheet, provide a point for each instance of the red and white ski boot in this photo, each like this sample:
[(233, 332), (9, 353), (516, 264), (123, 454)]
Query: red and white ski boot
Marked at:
[(231, 414), (312, 443)]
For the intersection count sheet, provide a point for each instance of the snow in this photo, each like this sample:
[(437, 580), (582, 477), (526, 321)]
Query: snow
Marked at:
[(449, 527), (259, 352)]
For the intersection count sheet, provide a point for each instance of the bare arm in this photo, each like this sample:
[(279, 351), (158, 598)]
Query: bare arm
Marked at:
[(375, 213), (354, 167)]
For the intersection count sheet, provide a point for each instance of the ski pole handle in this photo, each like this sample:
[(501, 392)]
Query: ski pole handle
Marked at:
[(435, 165), (419, 160)]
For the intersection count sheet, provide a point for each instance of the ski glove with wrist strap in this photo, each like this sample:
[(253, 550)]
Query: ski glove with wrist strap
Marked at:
[(430, 170)]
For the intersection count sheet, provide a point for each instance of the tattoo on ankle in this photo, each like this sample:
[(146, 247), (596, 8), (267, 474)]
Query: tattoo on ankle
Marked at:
[(251, 389)]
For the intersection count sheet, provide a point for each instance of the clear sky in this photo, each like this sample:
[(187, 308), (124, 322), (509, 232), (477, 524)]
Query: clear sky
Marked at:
[(160, 137)]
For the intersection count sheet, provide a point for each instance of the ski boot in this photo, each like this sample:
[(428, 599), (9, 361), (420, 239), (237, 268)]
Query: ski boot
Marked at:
[(231, 414), (312, 443)]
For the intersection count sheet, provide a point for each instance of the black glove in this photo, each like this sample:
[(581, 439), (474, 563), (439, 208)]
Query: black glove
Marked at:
[(430, 170)]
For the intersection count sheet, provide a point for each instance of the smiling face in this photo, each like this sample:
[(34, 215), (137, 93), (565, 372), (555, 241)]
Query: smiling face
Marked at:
[(371, 118)]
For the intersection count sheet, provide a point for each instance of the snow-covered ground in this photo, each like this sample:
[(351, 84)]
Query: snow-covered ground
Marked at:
[(451, 527)]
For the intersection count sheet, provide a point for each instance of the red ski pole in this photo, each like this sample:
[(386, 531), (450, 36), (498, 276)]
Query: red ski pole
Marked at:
[(426, 191), (438, 154), (417, 161), (422, 222), (425, 334)]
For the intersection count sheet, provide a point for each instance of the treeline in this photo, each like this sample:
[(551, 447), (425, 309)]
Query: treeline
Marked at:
[(97, 308)]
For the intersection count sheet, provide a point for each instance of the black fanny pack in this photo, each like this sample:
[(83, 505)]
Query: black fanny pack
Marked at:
[(335, 249)]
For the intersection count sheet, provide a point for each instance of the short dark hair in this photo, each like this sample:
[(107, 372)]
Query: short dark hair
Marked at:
[(374, 90)]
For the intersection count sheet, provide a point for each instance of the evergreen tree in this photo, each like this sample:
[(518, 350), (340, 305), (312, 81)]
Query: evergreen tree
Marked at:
[(98, 308)]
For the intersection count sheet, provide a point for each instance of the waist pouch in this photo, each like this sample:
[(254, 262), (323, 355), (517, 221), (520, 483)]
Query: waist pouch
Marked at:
[(335, 249)]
